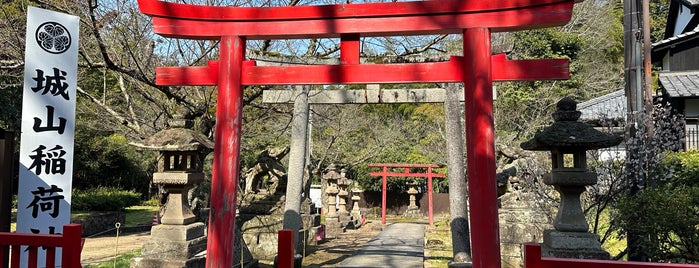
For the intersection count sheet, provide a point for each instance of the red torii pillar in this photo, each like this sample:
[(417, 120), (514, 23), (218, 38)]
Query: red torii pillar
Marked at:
[(475, 19), (384, 174)]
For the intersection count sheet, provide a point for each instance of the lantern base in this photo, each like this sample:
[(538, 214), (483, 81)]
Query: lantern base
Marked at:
[(577, 245), (174, 246)]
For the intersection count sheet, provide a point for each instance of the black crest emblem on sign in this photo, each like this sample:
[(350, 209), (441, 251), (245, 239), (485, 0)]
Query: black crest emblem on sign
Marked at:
[(53, 37)]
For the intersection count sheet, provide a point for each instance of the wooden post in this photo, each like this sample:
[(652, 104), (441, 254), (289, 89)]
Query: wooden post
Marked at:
[(285, 249), (480, 148), (383, 195), (225, 172), (429, 194), (349, 49), (72, 247)]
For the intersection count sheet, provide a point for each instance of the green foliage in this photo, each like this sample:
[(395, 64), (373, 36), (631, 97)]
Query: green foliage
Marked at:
[(668, 213), (108, 160), (548, 43), (658, 19), (684, 168), (104, 199)]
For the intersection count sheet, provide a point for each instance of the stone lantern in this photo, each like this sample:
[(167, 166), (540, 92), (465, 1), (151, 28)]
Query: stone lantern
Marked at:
[(332, 221), (568, 140), (413, 210), (356, 213), (342, 185), (179, 238)]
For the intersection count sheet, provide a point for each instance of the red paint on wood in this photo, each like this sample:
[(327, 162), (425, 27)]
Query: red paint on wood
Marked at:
[(429, 194), (480, 148), (32, 259), (396, 165), (533, 259), (15, 256), (384, 174), (285, 249), (450, 71), (51, 258), (352, 20), (407, 174), (70, 241), (72, 246), (383, 196), (224, 179), (530, 17), (219, 13), (349, 49)]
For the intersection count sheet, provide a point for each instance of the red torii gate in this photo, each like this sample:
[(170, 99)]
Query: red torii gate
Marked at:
[(475, 19), (385, 173)]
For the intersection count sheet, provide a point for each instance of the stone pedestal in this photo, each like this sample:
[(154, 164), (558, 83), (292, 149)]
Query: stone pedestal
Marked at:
[(578, 245), (332, 227), (342, 206), (176, 210), (570, 184), (173, 246)]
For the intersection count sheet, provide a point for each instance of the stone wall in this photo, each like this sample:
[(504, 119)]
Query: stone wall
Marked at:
[(98, 222)]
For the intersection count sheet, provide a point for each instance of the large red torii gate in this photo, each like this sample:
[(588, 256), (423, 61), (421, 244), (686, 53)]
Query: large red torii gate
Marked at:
[(475, 19)]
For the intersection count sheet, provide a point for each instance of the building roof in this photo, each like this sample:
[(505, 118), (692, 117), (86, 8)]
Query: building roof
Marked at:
[(684, 37), (680, 84), (690, 3), (609, 106)]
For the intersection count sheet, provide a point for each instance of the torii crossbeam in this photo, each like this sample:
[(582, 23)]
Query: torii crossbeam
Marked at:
[(477, 69)]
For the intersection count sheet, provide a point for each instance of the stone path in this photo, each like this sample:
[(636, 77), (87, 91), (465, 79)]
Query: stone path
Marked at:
[(398, 245)]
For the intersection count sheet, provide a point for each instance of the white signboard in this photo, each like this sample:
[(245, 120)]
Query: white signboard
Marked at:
[(48, 123)]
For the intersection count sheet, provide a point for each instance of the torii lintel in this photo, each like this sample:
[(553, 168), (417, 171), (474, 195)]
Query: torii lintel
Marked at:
[(433, 72), (369, 19)]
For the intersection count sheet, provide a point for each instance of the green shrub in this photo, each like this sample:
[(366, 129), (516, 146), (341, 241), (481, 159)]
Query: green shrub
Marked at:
[(104, 199), (667, 213)]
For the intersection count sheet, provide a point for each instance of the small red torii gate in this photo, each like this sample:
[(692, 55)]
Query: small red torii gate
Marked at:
[(385, 173), (477, 69)]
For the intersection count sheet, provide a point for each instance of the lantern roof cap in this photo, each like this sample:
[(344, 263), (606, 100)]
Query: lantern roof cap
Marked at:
[(567, 133), (179, 137)]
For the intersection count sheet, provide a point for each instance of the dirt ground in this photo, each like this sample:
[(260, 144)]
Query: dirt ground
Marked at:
[(326, 254), (105, 248)]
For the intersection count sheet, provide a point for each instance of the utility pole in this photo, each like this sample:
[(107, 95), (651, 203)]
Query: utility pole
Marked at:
[(638, 94)]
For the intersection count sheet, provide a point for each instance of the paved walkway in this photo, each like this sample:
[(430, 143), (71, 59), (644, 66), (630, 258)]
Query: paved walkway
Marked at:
[(398, 245)]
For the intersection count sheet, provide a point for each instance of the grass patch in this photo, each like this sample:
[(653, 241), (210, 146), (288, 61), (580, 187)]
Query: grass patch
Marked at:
[(438, 246), (139, 215), (122, 261)]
